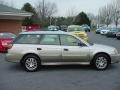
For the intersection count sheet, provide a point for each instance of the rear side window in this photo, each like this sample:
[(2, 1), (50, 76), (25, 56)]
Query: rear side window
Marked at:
[(50, 40), (28, 39)]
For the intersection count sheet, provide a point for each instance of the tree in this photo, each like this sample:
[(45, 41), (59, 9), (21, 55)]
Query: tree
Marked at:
[(106, 14), (81, 19), (2, 2), (116, 11), (33, 20), (71, 13), (10, 4), (110, 13), (45, 11)]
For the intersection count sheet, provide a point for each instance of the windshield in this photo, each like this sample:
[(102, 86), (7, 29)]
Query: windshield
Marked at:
[(53, 28), (72, 29), (7, 35), (113, 30)]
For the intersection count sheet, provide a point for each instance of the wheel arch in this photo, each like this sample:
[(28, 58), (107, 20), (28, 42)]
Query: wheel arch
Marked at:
[(21, 61), (101, 53)]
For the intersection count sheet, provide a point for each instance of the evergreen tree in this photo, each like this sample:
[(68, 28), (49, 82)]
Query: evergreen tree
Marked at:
[(33, 20), (81, 19)]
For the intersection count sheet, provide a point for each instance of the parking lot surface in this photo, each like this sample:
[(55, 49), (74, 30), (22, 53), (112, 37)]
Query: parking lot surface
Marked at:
[(13, 77)]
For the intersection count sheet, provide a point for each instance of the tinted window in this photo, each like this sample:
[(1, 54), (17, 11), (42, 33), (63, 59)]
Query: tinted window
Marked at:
[(50, 40), (28, 39), (69, 40)]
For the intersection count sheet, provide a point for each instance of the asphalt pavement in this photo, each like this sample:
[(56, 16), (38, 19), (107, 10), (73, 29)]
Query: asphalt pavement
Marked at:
[(13, 77)]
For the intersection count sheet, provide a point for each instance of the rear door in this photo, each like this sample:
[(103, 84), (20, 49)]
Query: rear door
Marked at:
[(50, 49)]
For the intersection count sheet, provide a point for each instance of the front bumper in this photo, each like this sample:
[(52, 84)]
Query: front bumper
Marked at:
[(118, 37), (115, 58), (103, 33)]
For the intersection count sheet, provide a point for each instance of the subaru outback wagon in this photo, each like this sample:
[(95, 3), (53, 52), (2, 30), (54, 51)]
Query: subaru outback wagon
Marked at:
[(33, 49)]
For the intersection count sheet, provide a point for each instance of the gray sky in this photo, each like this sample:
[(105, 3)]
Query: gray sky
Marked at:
[(64, 6)]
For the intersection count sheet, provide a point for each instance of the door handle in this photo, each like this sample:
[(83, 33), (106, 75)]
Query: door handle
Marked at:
[(66, 50), (39, 48)]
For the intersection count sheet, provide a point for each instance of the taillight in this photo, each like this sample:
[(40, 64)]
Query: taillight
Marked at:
[(4, 44), (117, 34), (1, 46), (9, 46)]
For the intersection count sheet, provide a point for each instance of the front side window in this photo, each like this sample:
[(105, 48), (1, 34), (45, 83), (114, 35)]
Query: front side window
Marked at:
[(68, 40), (50, 40), (28, 39)]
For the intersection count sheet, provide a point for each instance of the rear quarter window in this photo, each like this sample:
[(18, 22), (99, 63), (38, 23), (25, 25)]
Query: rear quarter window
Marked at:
[(27, 39)]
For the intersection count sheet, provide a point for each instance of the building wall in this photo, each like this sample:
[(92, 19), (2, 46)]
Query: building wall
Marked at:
[(13, 26)]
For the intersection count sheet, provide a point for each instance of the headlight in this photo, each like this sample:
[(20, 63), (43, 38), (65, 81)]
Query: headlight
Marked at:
[(85, 35), (115, 50)]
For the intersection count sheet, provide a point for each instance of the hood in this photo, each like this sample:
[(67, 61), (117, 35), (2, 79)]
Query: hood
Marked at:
[(105, 30), (102, 47), (79, 32)]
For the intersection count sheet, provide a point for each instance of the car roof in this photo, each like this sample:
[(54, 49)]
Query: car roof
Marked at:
[(44, 32), (5, 33), (73, 26)]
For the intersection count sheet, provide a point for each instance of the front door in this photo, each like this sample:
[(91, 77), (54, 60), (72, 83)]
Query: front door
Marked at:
[(72, 51)]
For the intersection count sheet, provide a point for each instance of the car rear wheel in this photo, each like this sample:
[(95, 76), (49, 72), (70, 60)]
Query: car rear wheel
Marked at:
[(31, 63), (101, 62)]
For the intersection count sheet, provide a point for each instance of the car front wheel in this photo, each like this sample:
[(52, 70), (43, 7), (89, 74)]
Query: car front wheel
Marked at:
[(31, 63), (101, 62)]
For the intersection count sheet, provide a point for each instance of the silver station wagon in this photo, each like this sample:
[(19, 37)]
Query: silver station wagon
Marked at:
[(33, 49)]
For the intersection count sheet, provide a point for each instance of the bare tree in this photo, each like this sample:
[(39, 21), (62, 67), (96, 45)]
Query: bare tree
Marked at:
[(71, 12), (2, 2), (106, 14), (92, 18), (100, 17), (116, 12), (10, 4), (45, 10)]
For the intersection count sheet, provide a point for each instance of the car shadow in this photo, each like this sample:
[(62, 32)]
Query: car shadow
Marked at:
[(17, 67), (65, 67)]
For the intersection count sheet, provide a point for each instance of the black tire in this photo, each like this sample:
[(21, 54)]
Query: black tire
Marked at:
[(32, 60), (118, 38), (101, 62)]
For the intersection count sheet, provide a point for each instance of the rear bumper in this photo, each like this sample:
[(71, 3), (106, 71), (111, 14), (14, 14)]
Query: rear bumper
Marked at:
[(12, 58), (115, 58), (118, 37), (3, 50)]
